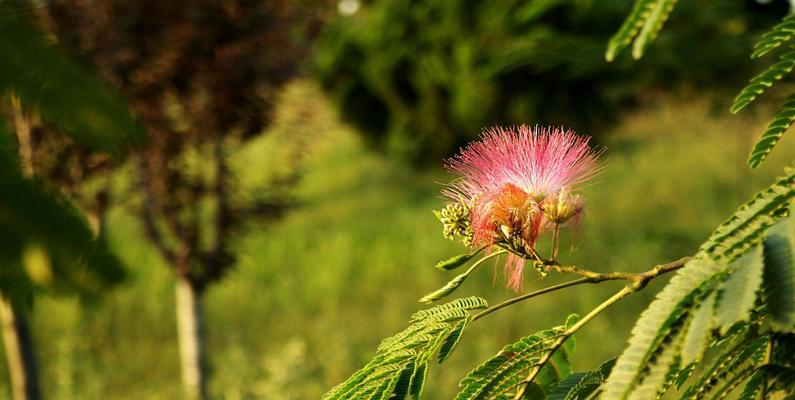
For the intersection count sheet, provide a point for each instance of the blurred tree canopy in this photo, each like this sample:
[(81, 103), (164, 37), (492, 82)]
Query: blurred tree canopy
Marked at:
[(422, 77), (200, 77)]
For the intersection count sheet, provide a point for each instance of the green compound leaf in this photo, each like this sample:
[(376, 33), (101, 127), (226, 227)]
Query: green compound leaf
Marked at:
[(773, 132), (775, 37), (642, 25), (654, 23), (771, 40), (447, 309), (699, 331), (741, 356), (753, 387), (761, 82), (739, 293), (653, 346), (779, 275), (504, 372), (400, 366), (447, 289), (580, 385), (452, 339), (642, 370), (418, 381), (455, 262), (746, 227)]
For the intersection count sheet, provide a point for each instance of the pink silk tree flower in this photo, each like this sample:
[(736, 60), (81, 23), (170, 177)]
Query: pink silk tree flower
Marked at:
[(517, 183)]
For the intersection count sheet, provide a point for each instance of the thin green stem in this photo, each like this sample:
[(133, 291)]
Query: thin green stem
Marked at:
[(457, 281), (492, 255), (624, 292), (530, 295), (555, 241), (638, 278), (482, 260)]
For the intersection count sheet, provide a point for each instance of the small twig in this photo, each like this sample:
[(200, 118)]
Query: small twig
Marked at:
[(640, 278), (637, 279), (22, 130), (530, 295)]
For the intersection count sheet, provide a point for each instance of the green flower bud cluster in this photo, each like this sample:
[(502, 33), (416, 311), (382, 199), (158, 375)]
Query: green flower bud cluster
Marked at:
[(456, 222)]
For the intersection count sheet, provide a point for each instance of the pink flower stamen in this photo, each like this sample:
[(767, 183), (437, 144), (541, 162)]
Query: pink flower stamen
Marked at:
[(510, 175)]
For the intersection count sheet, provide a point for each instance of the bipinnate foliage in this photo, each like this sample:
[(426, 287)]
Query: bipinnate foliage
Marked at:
[(779, 276), (401, 363), (503, 374), (740, 287), (47, 243), (647, 18), (780, 35), (640, 28), (720, 289), (580, 385)]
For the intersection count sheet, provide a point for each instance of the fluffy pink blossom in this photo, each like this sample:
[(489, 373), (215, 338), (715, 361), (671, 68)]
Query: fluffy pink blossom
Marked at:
[(510, 175)]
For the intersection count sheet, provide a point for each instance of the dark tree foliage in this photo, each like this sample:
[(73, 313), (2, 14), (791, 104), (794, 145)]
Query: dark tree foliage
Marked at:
[(200, 76), (421, 77)]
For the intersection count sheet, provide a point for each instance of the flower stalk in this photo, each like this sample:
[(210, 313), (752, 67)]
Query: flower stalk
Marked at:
[(555, 241)]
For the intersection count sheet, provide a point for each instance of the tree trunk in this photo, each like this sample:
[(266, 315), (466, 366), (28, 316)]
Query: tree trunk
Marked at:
[(19, 353), (189, 331), (16, 335)]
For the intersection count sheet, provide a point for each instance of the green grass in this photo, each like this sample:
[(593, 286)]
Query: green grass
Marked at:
[(314, 293)]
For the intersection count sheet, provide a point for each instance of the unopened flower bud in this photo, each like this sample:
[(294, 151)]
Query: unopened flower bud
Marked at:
[(455, 222), (563, 207)]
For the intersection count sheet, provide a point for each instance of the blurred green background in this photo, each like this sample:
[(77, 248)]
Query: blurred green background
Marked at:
[(391, 88)]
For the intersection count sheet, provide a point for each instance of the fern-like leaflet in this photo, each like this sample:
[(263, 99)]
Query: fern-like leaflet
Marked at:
[(502, 374), (580, 385), (642, 25), (400, 366), (764, 80), (673, 331), (773, 132), (779, 276), (645, 21), (740, 357), (775, 37), (746, 226)]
